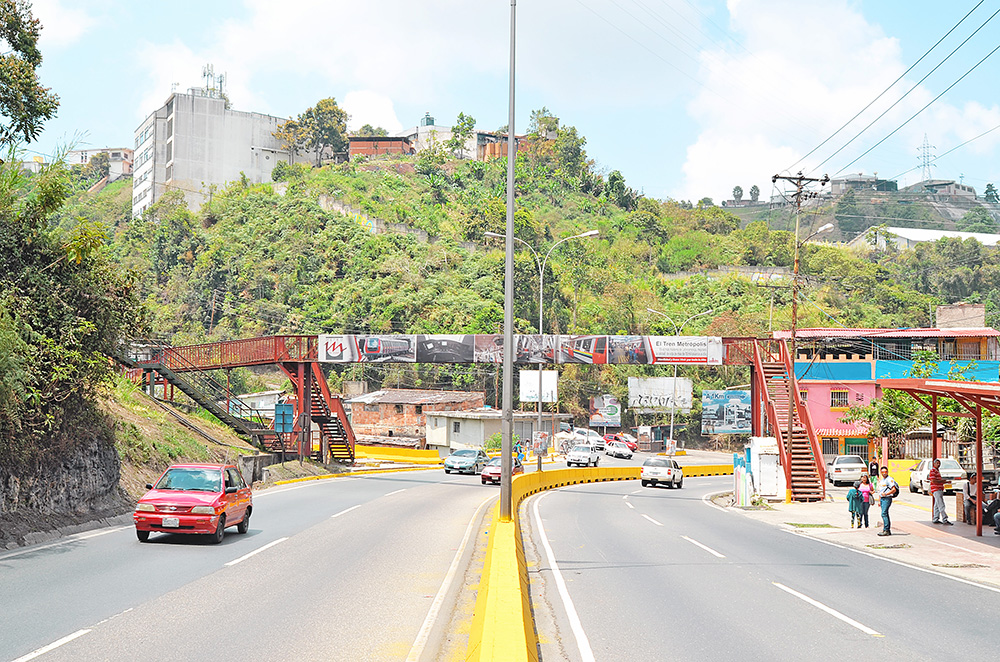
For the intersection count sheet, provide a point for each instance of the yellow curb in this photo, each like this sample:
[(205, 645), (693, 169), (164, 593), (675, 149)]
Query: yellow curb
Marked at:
[(363, 472)]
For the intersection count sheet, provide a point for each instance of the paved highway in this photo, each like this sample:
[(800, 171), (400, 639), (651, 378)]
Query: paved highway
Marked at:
[(628, 573), (342, 569)]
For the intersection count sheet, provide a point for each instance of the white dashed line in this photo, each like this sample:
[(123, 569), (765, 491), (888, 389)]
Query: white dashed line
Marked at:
[(652, 520), (347, 510), (704, 547), (396, 492), (829, 610), (54, 645), (629, 505), (256, 551)]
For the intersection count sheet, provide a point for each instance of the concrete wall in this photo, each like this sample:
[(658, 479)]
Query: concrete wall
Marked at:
[(402, 419), (961, 315)]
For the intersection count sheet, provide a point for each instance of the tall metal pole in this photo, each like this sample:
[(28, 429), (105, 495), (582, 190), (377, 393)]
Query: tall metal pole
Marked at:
[(507, 420), (541, 332)]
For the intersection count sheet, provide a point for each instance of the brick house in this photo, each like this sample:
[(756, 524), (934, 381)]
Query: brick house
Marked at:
[(376, 145), (403, 412)]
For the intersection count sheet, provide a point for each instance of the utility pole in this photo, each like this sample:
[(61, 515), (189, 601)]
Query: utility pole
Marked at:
[(800, 182)]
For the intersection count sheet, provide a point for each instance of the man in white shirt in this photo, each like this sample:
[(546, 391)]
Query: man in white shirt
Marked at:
[(887, 489)]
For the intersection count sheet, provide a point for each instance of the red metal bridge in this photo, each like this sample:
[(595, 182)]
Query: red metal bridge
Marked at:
[(777, 409)]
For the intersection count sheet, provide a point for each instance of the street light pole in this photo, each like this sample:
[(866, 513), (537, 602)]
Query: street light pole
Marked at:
[(677, 332), (507, 414), (541, 285)]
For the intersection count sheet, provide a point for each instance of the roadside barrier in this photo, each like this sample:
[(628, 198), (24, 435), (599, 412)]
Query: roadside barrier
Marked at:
[(503, 629), (402, 455)]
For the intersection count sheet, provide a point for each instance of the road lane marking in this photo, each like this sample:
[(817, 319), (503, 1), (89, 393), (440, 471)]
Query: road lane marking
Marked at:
[(625, 497), (582, 643), (833, 612), (425, 630), (704, 547), (707, 501), (55, 644), (396, 492), (652, 520), (795, 532), (629, 505), (257, 551), (964, 549), (70, 539), (346, 510)]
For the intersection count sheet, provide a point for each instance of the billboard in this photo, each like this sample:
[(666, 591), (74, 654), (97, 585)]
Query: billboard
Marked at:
[(650, 395), (529, 385), (605, 412), (528, 349), (725, 412)]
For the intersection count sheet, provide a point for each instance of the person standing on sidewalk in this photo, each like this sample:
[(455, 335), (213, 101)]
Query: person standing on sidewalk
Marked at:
[(887, 489), (938, 515), (854, 504), (867, 496)]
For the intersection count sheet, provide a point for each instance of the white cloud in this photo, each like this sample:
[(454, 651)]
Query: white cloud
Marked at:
[(62, 26), (367, 107), (762, 110)]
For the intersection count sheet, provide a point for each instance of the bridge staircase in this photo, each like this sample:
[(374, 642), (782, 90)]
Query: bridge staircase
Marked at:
[(328, 412), (801, 456)]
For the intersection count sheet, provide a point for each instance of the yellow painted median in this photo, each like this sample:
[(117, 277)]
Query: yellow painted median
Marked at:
[(502, 627)]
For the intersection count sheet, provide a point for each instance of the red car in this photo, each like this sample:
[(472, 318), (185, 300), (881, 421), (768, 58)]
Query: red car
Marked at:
[(491, 472), (632, 446), (196, 499)]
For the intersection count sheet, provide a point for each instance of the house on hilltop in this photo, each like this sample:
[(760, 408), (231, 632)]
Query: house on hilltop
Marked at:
[(903, 238), (403, 412), (481, 145), (119, 160)]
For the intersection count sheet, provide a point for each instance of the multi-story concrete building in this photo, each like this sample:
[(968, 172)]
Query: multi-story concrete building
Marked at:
[(193, 142), (119, 160)]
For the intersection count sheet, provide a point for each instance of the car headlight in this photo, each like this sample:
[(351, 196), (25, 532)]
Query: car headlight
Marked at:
[(203, 510), (146, 508)]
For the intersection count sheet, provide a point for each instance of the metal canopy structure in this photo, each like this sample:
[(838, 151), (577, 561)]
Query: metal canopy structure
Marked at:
[(974, 397)]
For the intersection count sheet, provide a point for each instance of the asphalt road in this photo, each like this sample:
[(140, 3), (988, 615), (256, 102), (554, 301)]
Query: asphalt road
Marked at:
[(658, 573), (342, 569)]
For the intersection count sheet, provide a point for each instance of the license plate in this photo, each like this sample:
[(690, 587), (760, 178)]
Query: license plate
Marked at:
[(947, 486), (170, 522)]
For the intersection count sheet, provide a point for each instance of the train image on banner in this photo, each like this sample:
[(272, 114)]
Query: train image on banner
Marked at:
[(585, 349), (386, 348)]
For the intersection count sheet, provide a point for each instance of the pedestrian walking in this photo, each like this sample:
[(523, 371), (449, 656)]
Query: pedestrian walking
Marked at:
[(867, 491), (887, 489), (938, 515), (873, 470), (854, 504)]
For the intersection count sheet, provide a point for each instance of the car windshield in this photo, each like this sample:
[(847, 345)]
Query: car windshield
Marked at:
[(851, 460), (951, 464), (656, 462), (191, 480), (464, 454), (494, 462), (581, 449)]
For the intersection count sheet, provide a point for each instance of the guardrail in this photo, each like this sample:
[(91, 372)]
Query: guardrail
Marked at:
[(503, 629)]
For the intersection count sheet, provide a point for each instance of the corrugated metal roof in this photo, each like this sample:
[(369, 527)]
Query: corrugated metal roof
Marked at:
[(405, 396), (981, 332)]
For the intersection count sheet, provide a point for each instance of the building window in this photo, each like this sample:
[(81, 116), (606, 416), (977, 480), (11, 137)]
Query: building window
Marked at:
[(399, 409), (803, 396), (170, 127), (170, 152), (371, 407), (831, 446), (170, 172), (838, 400), (419, 409), (456, 426)]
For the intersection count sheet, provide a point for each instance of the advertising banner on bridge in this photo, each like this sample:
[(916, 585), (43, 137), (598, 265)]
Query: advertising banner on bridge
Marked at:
[(605, 412), (528, 390), (651, 395), (529, 349), (725, 412)]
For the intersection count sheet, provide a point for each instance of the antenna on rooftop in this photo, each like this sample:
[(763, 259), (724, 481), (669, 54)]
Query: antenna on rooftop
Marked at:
[(214, 84), (926, 159)]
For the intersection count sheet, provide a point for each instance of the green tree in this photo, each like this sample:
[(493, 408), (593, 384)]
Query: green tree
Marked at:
[(24, 103), (849, 218), (569, 151), (705, 202), (319, 130), (738, 193), (463, 129), (977, 219), (990, 194), (754, 193), (368, 131), (542, 122), (98, 167)]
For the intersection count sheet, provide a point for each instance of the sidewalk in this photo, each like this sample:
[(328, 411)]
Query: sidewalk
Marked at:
[(951, 550)]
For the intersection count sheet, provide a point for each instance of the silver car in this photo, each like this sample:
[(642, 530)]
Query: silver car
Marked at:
[(467, 460), (618, 449), (950, 470), (845, 469)]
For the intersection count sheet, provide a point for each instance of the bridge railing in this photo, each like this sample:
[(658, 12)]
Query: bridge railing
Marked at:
[(236, 353)]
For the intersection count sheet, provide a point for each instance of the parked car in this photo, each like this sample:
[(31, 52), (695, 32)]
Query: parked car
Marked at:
[(618, 436), (950, 470), (491, 472), (845, 469), (618, 449), (592, 437), (195, 499), (582, 455), (467, 460), (659, 469), (630, 440)]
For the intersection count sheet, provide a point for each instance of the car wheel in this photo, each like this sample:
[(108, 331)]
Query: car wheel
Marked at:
[(143, 536), (447, 471), (923, 488), (680, 483), (220, 531), (596, 461), (484, 481), (244, 524), (913, 488), (670, 484), (645, 483)]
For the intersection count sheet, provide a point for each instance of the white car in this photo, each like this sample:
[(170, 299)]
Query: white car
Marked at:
[(583, 455), (590, 437), (950, 470), (846, 469), (661, 469), (618, 449)]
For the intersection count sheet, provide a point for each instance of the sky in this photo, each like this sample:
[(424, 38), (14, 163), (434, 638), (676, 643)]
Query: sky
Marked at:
[(687, 98)]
